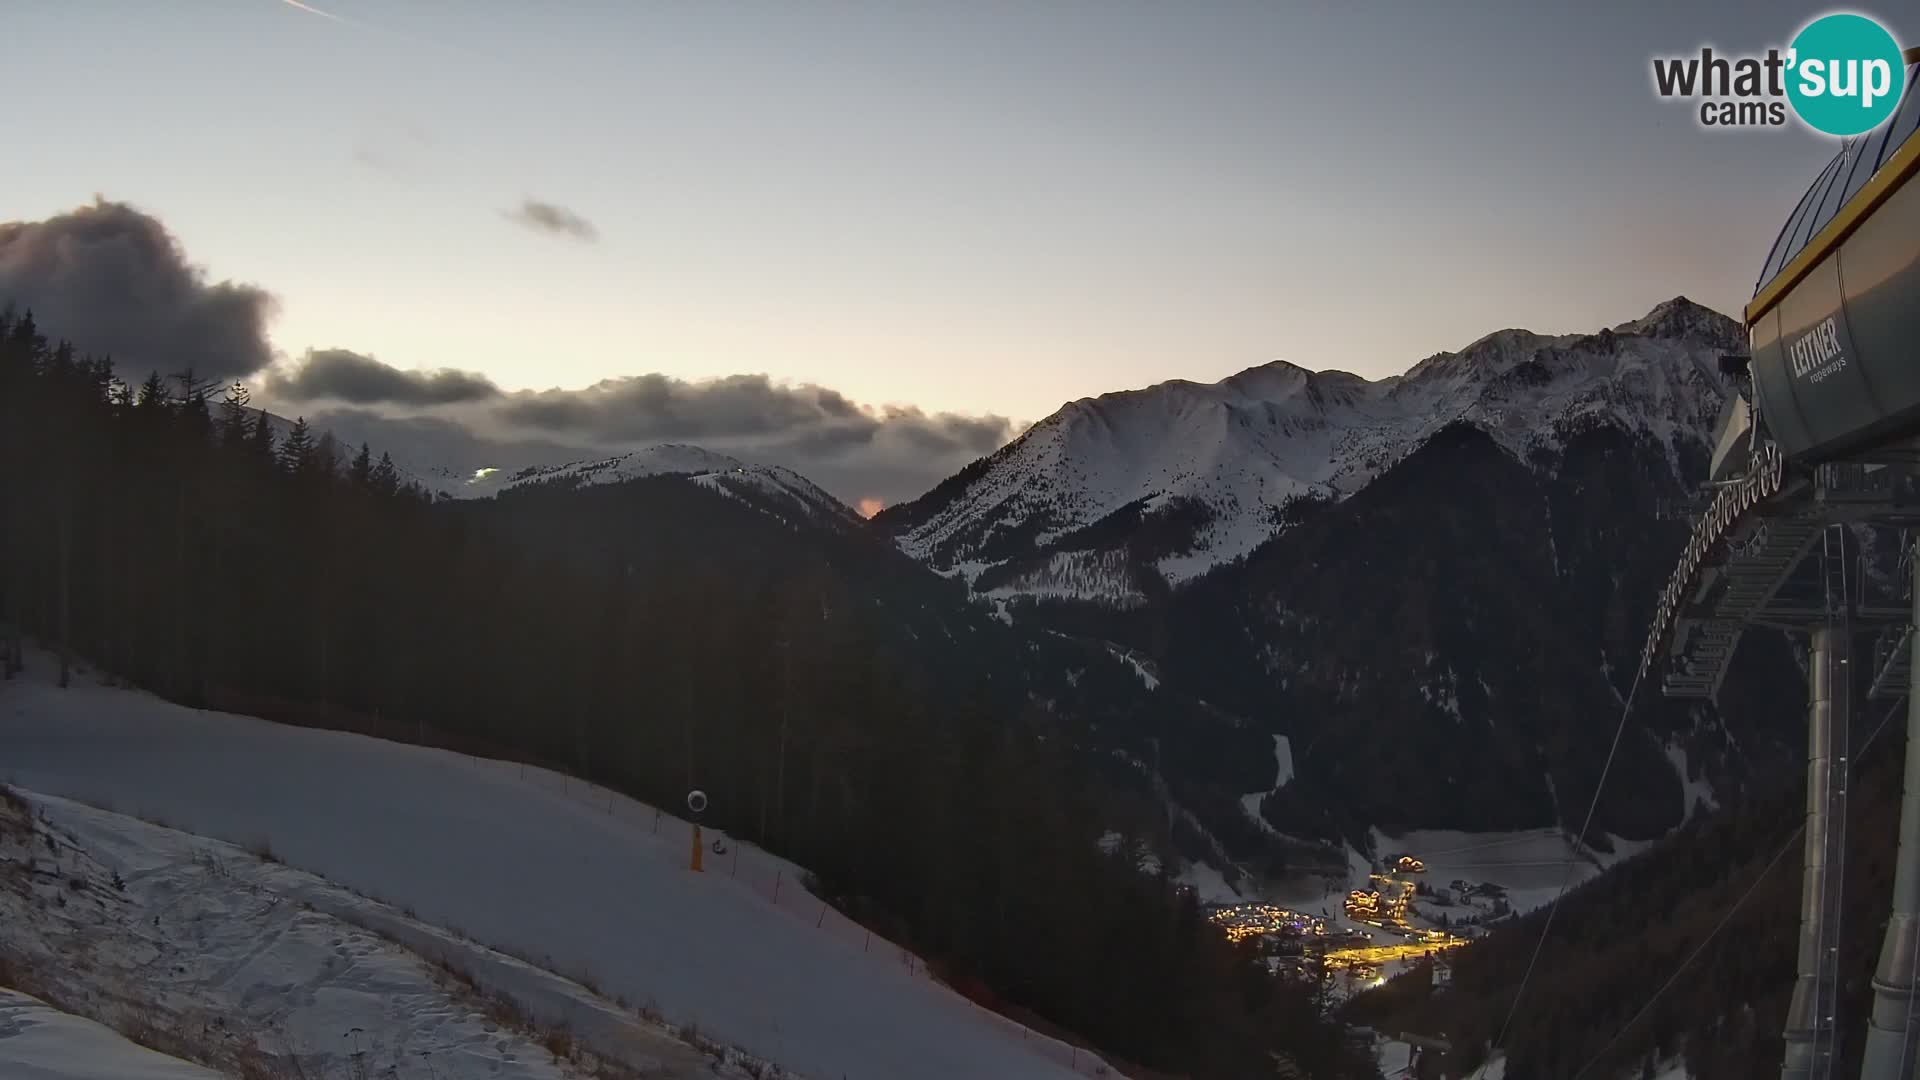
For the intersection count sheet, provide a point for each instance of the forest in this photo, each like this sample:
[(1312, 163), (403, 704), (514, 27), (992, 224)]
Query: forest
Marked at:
[(841, 706)]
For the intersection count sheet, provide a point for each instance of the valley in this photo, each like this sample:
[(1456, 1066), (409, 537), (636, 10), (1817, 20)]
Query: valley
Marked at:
[(1336, 757)]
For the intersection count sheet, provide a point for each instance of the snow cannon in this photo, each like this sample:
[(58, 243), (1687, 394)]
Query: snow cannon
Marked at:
[(697, 805)]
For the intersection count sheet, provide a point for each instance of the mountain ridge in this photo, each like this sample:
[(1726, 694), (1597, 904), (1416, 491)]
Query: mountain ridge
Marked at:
[(1217, 465)]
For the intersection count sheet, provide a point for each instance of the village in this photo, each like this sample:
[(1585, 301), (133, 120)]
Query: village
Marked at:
[(1395, 919)]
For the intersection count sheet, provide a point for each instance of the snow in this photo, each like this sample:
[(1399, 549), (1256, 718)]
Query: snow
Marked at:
[(1139, 666), (188, 935), (1209, 887), (773, 488), (534, 864), (1282, 762), (1693, 792), (1530, 865), (39, 1042), (1087, 575), (1395, 1058), (1231, 454), (1283, 773)]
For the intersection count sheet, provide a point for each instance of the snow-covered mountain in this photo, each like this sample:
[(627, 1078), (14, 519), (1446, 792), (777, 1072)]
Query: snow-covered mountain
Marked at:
[(773, 489), (1112, 498)]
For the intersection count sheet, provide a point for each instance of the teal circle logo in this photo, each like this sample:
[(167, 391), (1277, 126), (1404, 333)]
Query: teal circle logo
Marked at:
[(1844, 74)]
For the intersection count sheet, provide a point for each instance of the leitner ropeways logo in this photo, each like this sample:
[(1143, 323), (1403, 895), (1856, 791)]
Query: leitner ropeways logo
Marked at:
[(1842, 76)]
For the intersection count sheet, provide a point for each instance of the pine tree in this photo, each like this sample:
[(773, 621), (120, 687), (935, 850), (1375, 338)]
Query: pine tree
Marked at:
[(194, 413), (326, 456), (385, 477), (296, 453), (260, 446), (153, 393), (234, 428), (362, 471)]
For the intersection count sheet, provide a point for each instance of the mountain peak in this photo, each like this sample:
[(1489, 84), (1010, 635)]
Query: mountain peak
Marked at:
[(1682, 318)]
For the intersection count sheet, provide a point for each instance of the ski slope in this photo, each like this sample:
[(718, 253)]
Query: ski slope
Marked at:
[(252, 968), (39, 1042), (581, 882)]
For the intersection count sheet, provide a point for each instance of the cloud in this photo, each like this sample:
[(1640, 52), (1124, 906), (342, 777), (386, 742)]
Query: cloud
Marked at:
[(662, 407), (347, 376), (551, 218), (809, 427), (115, 281), (461, 421)]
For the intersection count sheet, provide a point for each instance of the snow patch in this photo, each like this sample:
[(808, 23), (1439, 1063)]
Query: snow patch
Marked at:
[(1693, 793), (1530, 866), (39, 1042), (1282, 775), (1208, 885)]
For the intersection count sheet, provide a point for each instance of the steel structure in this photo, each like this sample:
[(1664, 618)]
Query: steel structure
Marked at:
[(1818, 442)]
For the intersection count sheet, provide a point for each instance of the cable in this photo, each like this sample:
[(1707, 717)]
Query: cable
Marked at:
[(1526, 837), (1727, 917), (1573, 860)]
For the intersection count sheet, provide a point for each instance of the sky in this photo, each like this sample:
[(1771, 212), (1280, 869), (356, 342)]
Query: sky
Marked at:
[(913, 226)]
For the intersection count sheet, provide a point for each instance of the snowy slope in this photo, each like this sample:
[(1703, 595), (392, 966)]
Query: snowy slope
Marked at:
[(39, 1042), (249, 966), (1206, 470), (580, 881), (775, 489)]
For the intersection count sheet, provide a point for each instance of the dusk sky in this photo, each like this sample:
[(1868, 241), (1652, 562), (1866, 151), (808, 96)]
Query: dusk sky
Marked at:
[(983, 209)]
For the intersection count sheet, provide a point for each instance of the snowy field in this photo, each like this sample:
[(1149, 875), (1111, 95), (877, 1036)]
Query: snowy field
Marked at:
[(255, 967), (581, 882), (39, 1042), (1531, 865)]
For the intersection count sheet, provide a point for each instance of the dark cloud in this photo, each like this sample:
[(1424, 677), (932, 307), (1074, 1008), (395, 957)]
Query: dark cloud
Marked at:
[(551, 218), (802, 426), (114, 281), (892, 465), (948, 433), (458, 422), (438, 448), (661, 407), (344, 375)]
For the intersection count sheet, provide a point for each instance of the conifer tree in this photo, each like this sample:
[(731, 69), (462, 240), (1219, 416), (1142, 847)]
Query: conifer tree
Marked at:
[(385, 476), (153, 393), (260, 445), (326, 456), (296, 452), (234, 427)]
